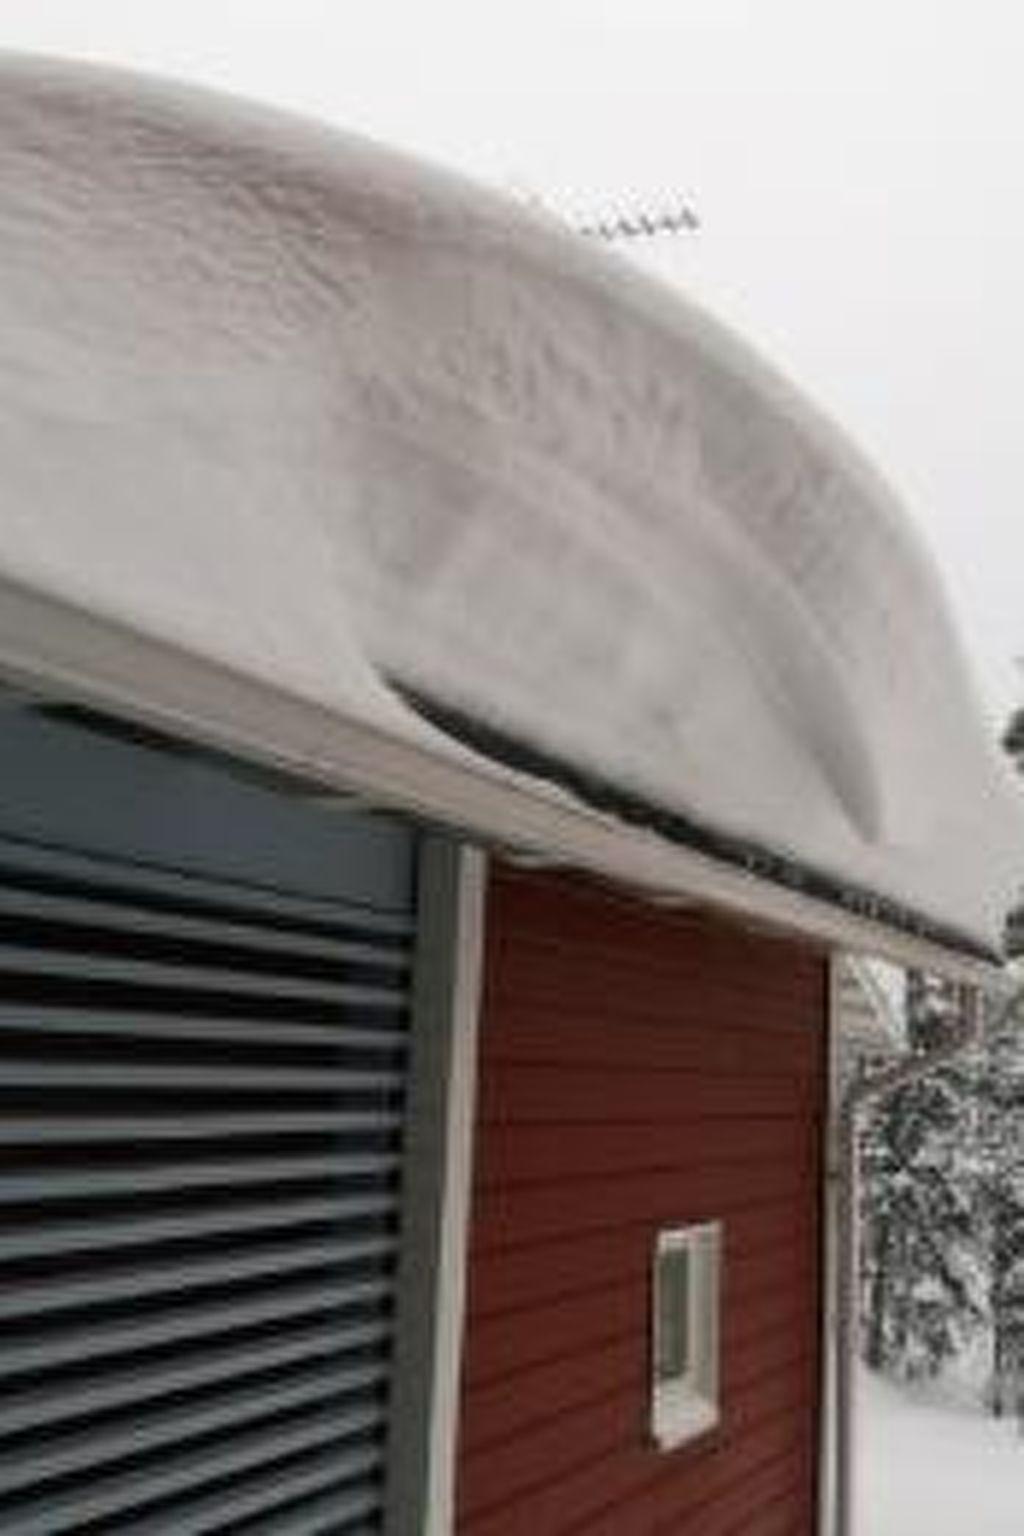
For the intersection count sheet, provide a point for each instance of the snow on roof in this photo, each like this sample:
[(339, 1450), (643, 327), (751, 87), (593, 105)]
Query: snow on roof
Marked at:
[(285, 414)]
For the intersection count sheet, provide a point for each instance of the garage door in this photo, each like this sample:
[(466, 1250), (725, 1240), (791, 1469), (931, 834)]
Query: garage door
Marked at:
[(204, 1016)]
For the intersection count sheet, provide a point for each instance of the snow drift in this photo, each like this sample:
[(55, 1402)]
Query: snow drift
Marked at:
[(283, 403)]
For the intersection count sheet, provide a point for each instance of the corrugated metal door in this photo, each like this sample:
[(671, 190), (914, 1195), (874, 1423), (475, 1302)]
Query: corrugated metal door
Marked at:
[(201, 1098)]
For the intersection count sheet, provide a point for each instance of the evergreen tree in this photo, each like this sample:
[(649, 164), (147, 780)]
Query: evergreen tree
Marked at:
[(918, 1178), (942, 1192), (1013, 743), (1001, 1091), (1001, 1207)]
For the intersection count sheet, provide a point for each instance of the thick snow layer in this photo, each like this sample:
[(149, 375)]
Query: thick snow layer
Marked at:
[(932, 1471), (303, 409)]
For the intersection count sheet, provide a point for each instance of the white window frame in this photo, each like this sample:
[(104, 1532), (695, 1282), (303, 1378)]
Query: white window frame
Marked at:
[(687, 1404)]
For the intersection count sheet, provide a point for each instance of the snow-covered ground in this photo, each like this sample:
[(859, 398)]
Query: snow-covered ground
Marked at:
[(927, 1470)]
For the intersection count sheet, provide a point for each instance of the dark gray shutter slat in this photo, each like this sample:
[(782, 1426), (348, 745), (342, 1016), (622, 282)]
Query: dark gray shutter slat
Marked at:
[(104, 1495), (340, 1513), (15, 961), (383, 1036), (128, 1386), (81, 1449), (206, 931), (156, 1278), (191, 1127), (221, 1511), (73, 1346), (97, 1182), (89, 1236), (116, 1341), (208, 1078), (153, 887), (201, 1106)]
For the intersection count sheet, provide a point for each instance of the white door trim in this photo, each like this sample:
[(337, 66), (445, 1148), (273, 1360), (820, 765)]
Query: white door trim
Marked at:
[(438, 1160)]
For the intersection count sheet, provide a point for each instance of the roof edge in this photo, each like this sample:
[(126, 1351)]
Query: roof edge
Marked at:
[(64, 654), (634, 810)]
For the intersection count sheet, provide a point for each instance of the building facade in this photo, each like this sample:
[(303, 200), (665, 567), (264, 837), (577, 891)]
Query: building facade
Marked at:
[(455, 701)]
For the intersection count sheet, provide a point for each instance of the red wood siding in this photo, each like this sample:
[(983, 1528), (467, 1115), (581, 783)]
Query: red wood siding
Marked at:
[(638, 1069)]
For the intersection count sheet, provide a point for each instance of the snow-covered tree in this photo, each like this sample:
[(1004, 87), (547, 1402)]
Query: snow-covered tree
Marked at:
[(918, 1219), (1013, 743), (942, 1191), (1000, 1091)]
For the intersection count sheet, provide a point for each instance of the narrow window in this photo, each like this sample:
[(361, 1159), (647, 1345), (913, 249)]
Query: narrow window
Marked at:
[(685, 1303)]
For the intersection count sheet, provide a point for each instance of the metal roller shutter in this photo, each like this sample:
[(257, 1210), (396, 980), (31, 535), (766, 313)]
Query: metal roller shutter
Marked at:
[(201, 1100)]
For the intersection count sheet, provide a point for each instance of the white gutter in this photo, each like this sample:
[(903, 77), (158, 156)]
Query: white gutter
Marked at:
[(56, 650), (909, 1069)]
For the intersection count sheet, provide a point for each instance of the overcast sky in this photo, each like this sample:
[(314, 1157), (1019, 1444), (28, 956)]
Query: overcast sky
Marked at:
[(858, 168)]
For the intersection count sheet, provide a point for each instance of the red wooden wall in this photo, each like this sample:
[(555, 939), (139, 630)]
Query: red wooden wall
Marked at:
[(638, 1068)]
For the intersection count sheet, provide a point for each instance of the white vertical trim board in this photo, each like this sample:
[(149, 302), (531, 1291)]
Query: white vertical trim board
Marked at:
[(454, 1242), (436, 1194), (830, 1216)]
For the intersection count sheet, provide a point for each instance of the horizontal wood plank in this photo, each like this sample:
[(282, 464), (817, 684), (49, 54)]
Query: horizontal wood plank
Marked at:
[(638, 1069)]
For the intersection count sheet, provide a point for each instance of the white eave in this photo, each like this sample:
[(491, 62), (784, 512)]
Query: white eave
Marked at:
[(60, 653)]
